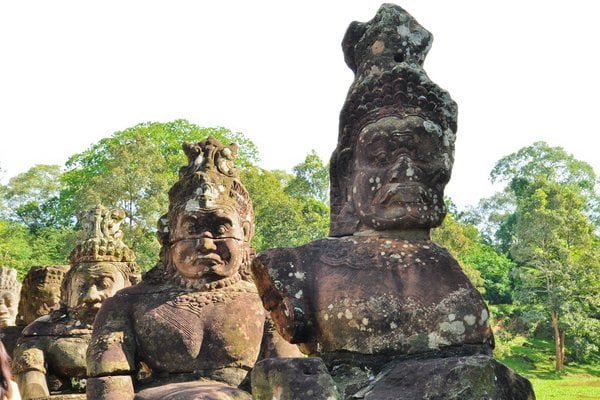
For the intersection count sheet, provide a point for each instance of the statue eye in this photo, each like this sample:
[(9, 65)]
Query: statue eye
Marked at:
[(191, 227), (223, 229), (105, 283)]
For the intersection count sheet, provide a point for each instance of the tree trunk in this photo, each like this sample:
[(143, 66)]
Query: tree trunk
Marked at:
[(559, 342)]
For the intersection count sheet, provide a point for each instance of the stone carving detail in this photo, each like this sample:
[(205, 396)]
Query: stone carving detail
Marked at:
[(49, 360), (195, 326), (378, 298), (40, 293), (10, 289)]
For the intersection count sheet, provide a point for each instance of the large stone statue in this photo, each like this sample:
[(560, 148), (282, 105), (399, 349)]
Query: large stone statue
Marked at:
[(50, 356), (194, 327), (10, 288), (40, 293), (389, 311)]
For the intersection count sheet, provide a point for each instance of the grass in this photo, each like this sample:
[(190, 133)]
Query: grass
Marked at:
[(534, 359)]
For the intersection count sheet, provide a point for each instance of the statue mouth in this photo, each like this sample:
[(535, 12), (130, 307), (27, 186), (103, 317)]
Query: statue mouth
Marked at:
[(208, 259), (401, 193)]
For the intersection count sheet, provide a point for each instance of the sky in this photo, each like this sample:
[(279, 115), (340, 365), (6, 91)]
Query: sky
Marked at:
[(73, 72)]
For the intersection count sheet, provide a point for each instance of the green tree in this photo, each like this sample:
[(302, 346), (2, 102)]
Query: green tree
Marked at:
[(519, 169), (310, 180), (15, 250), (133, 169), (281, 219), (32, 196), (553, 244)]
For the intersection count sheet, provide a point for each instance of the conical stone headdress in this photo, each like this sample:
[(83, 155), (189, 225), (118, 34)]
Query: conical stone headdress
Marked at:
[(386, 54)]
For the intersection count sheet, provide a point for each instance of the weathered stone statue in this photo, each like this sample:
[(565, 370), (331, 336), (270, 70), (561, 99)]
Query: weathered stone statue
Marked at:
[(50, 356), (10, 289), (194, 327), (390, 312), (40, 293)]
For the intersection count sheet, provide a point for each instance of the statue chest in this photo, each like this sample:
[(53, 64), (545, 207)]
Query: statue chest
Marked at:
[(66, 356), (199, 333)]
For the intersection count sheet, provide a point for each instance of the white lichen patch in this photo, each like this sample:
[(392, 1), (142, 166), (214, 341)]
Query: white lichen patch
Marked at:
[(484, 317), (340, 315), (470, 319), (348, 314), (300, 275), (451, 317), (455, 327), (436, 340), (393, 325), (298, 294), (330, 307)]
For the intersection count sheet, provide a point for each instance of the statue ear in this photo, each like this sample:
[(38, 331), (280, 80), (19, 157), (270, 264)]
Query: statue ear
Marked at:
[(248, 229), (343, 220)]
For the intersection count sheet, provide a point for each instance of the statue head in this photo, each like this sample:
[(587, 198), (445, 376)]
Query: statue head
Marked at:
[(206, 234), (397, 130), (40, 293), (10, 289), (101, 264)]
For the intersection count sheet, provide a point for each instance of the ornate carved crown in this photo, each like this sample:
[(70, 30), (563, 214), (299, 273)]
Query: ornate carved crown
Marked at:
[(8, 279), (387, 54), (208, 181), (45, 275), (101, 237)]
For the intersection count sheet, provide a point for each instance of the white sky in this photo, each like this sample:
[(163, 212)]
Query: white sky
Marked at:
[(72, 72)]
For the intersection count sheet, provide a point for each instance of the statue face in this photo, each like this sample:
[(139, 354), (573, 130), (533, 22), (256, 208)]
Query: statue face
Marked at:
[(48, 299), (90, 286), (8, 308), (400, 171), (208, 244)]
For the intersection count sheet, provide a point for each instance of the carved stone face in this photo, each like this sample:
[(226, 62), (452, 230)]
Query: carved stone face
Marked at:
[(90, 286), (400, 171), (48, 299), (208, 245), (8, 308)]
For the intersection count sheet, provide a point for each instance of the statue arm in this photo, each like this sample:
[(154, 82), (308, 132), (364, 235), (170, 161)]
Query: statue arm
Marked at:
[(273, 344), (283, 294), (28, 366), (111, 353)]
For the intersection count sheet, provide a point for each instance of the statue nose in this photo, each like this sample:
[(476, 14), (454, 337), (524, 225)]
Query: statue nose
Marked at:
[(401, 170), (206, 245), (92, 295)]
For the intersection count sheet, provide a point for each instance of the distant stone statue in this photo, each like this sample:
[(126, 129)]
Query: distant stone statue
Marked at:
[(40, 293), (49, 360), (195, 326), (388, 310), (10, 288)]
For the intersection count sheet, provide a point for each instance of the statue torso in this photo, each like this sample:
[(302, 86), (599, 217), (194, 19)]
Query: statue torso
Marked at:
[(373, 295)]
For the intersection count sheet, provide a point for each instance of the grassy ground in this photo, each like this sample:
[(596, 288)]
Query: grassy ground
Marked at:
[(534, 359)]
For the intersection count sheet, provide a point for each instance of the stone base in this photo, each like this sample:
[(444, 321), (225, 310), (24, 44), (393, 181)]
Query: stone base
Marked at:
[(292, 379), (204, 389), (452, 378)]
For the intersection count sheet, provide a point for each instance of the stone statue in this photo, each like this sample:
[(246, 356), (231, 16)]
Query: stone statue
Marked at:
[(10, 289), (194, 327), (381, 304), (40, 293), (49, 360)]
